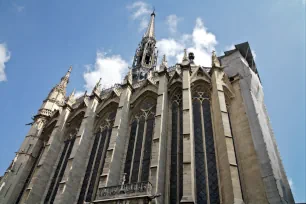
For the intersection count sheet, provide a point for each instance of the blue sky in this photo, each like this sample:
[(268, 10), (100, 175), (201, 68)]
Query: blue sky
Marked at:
[(39, 40)]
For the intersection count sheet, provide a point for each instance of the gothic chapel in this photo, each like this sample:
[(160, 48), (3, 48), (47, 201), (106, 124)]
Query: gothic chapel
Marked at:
[(180, 134)]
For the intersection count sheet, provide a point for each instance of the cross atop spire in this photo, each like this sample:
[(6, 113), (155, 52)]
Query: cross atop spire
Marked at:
[(151, 28)]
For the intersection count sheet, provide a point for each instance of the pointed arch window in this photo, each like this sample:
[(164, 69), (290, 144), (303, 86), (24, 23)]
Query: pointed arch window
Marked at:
[(205, 158), (138, 157), (97, 158), (176, 157), (70, 134)]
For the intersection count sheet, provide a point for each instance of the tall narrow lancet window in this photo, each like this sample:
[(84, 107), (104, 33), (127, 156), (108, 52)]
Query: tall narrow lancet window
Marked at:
[(205, 158), (176, 166), (138, 157), (97, 155), (70, 135)]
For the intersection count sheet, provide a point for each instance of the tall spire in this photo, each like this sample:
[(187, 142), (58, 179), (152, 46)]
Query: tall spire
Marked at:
[(61, 87), (150, 31)]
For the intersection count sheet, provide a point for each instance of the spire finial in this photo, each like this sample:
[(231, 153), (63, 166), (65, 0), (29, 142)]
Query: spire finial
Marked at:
[(96, 89), (185, 58), (150, 31)]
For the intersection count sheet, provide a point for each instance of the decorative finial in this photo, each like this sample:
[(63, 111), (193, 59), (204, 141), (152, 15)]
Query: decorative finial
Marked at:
[(96, 89), (185, 58), (214, 60), (70, 69), (164, 63), (153, 13), (71, 100)]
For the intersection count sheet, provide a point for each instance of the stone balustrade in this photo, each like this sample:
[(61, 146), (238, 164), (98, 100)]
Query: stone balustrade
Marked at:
[(140, 189)]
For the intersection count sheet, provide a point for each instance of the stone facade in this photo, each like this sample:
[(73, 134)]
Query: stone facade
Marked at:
[(181, 134)]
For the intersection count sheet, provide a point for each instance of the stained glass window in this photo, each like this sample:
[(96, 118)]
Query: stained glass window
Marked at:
[(173, 166), (129, 155), (63, 167), (176, 165), (97, 158), (205, 158), (210, 154), (137, 152), (199, 153), (147, 149)]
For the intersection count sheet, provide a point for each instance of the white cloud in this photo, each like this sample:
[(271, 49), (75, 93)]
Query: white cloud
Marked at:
[(110, 68), (140, 11), (144, 22), (231, 47), (290, 181), (172, 21), (19, 8), (254, 54), (4, 58), (79, 94), (200, 42)]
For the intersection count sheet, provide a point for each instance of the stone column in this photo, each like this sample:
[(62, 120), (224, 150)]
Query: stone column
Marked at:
[(115, 152), (46, 166), (76, 165), (226, 156), (159, 143), (16, 175), (188, 140)]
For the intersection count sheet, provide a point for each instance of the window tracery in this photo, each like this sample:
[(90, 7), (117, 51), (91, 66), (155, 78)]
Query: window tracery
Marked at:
[(97, 155), (138, 157), (205, 159)]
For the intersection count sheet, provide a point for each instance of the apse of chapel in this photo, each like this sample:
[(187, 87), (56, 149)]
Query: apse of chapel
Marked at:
[(105, 116)]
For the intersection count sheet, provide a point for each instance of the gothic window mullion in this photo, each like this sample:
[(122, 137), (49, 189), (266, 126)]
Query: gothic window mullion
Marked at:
[(137, 152), (200, 164), (204, 132), (142, 148), (133, 151)]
